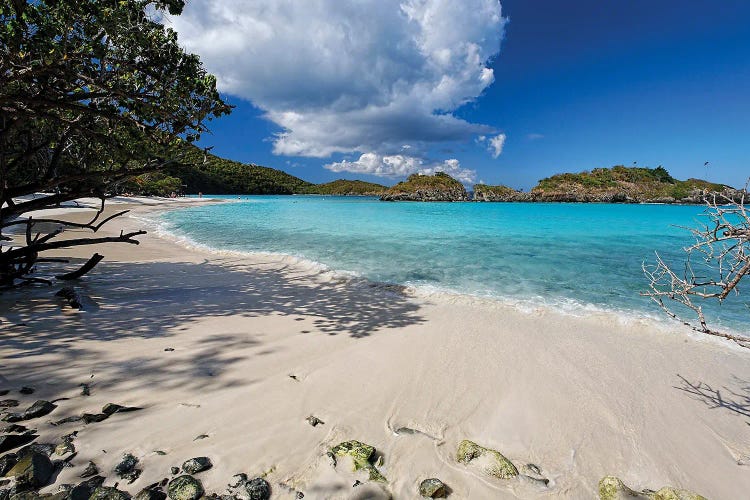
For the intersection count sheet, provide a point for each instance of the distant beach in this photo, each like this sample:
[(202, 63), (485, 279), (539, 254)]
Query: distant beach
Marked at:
[(229, 353)]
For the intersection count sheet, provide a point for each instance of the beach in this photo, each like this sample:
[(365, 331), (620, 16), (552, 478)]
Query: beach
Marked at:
[(229, 354)]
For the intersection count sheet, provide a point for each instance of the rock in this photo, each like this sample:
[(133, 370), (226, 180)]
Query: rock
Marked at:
[(7, 462), (85, 389), (38, 409), (492, 462), (8, 403), (85, 489), (13, 429), (314, 421), (27, 390), (109, 493), (10, 441), (44, 448), (126, 469), (200, 436), (150, 494), (196, 465), (433, 488), (111, 409), (532, 469), (67, 420), (238, 480), (361, 454), (90, 470), (258, 489), (612, 488), (4, 392), (185, 488), (32, 470), (64, 448), (90, 418), (175, 470)]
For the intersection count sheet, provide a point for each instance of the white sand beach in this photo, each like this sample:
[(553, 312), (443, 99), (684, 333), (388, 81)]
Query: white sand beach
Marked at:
[(260, 343)]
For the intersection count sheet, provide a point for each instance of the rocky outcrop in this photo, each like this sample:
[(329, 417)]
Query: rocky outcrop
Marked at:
[(418, 187)]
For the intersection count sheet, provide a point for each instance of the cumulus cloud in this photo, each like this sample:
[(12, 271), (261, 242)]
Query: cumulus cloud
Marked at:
[(341, 77), (496, 144), (401, 165)]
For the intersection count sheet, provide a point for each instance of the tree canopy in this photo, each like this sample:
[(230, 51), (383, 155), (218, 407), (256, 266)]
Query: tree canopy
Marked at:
[(92, 92)]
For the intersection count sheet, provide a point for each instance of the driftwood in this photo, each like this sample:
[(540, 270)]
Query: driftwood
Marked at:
[(18, 262), (723, 247)]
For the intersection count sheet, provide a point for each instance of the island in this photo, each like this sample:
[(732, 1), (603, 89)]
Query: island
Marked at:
[(419, 187)]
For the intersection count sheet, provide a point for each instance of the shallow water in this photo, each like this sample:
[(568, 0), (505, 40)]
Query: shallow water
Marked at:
[(573, 257)]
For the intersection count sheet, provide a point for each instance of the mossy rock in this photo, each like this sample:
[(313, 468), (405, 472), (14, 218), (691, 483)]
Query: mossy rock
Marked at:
[(185, 488), (109, 493), (612, 488), (492, 462), (33, 470), (361, 454), (669, 493), (433, 488)]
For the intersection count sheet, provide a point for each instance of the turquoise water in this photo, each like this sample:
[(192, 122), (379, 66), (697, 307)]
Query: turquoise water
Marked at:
[(572, 256)]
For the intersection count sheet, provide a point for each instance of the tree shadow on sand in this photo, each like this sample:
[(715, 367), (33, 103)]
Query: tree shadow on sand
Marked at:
[(156, 299), (736, 401)]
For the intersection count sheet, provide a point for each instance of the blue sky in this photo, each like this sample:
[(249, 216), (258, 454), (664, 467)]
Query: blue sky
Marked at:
[(574, 86)]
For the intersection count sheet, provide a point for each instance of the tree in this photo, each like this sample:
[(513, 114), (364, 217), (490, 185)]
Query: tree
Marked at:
[(722, 246), (92, 93)]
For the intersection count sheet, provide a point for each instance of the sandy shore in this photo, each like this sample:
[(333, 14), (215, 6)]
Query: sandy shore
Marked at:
[(580, 397)]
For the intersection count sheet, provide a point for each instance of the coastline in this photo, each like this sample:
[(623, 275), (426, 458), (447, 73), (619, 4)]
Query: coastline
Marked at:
[(580, 397)]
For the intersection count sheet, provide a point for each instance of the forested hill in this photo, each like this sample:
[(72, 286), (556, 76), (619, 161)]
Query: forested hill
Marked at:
[(208, 173)]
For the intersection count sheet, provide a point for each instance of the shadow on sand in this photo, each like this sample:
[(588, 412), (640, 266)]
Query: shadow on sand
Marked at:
[(156, 299)]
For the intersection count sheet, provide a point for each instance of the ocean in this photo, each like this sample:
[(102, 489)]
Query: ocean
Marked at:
[(574, 257)]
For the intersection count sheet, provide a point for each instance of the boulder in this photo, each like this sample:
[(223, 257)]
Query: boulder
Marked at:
[(361, 454), (185, 488), (258, 489), (433, 488), (196, 465), (38, 409), (10, 441), (85, 489), (490, 461), (32, 470), (126, 469), (8, 403), (90, 470)]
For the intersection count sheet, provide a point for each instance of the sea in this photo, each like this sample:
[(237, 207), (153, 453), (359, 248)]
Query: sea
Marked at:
[(573, 257)]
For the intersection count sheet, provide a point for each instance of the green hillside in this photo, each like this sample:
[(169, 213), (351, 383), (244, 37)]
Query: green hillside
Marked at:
[(343, 187), (208, 173)]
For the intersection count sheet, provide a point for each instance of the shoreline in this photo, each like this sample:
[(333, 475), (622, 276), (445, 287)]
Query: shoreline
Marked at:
[(580, 397)]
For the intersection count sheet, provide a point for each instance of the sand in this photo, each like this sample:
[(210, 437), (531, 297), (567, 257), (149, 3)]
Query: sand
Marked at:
[(581, 397)]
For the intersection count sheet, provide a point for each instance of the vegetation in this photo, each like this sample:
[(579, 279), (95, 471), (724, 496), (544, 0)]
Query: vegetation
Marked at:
[(94, 93), (419, 187), (641, 184), (343, 187), (484, 192), (203, 172)]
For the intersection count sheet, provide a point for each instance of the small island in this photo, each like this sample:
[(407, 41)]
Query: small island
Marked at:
[(419, 187)]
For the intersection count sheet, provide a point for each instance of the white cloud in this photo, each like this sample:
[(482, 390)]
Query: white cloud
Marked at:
[(534, 137), (496, 145), (400, 166), (340, 77)]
